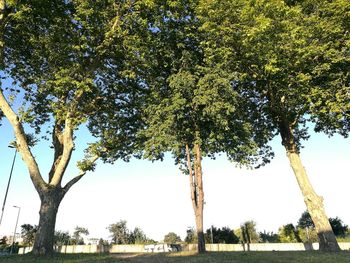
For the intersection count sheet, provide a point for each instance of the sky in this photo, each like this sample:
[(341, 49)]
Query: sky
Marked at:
[(156, 197)]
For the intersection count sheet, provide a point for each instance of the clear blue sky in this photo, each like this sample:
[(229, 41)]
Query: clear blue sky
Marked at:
[(156, 197)]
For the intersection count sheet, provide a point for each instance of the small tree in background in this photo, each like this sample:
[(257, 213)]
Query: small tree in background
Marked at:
[(223, 235), (28, 234), (288, 234), (77, 235), (339, 228), (191, 237), (3, 241), (62, 238), (305, 221), (248, 232), (137, 236), (172, 238), (119, 232), (268, 237)]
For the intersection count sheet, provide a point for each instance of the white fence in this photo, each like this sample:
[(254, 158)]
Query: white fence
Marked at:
[(186, 247)]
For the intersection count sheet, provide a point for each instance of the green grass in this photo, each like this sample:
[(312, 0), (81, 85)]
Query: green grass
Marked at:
[(187, 257)]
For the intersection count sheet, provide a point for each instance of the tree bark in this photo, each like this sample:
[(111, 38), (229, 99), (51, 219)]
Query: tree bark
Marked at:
[(314, 203), (197, 193), (44, 239)]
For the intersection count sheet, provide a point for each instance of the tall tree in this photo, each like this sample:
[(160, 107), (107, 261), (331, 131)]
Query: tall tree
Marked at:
[(270, 46), (189, 104), (72, 62)]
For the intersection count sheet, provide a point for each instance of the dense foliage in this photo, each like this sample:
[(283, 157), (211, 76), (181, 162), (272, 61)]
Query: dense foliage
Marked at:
[(194, 78)]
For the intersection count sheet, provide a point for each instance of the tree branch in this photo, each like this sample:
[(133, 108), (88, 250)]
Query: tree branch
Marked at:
[(78, 177), (22, 144), (58, 148)]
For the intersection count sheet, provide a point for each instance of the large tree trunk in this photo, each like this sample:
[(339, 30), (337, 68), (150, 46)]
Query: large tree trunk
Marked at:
[(197, 193), (44, 239), (314, 203)]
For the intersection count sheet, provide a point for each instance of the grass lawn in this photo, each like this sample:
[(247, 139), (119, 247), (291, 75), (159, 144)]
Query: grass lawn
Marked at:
[(188, 257)]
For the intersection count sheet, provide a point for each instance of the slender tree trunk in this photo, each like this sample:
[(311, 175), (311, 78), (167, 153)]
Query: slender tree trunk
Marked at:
[(314, 203), (44, 239), (197, 193)]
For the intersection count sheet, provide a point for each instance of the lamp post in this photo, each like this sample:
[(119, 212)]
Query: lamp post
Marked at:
[(14, 232), (12, 145)]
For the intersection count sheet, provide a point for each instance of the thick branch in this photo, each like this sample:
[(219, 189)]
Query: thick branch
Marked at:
[(78, 177), (58, 148), (22, 145), (63, 161), (63, 141)]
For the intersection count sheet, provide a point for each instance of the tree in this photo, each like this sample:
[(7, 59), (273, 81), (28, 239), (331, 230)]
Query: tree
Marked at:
[(189, 104), (249, 233), (172, 238), (223, 235), (103, 242), (271, 48), (62, 238), (137, 236), (3, 241), (339, 228), (28, 233), (305, 221), (191, 236), (120, 234), (268, 237), (77, 235), (288, 234), (71, 62)]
